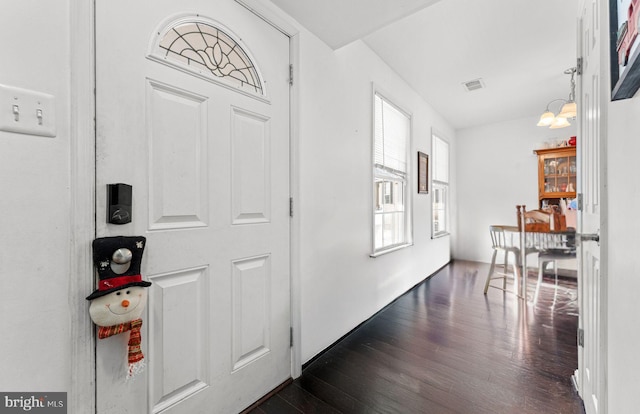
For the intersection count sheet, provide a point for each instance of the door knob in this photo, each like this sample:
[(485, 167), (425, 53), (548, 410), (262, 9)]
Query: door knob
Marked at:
[(590, 237), (583, 237), (122, 256)]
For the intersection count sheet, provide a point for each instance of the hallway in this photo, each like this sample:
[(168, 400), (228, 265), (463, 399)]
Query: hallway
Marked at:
[(444, 347)]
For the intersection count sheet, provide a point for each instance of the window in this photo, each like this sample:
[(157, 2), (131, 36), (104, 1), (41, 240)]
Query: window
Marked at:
[(391, 224), (201, 47), (440, 187)]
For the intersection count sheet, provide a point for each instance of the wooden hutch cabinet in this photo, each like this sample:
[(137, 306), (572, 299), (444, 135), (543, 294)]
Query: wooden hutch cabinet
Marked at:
[(556, 174)]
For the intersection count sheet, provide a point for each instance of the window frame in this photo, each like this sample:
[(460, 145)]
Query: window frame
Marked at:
[(407, 227), (438, 184), (158, 54)]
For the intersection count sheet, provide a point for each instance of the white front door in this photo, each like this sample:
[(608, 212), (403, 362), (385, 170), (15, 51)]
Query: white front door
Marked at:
[(203, 138), (590, 373)]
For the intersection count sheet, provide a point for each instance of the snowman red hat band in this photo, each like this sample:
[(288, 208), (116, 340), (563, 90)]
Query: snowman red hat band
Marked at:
[(118, 282), (103, 289)]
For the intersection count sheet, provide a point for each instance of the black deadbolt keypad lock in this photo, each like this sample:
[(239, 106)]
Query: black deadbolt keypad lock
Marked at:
[(119, 203)]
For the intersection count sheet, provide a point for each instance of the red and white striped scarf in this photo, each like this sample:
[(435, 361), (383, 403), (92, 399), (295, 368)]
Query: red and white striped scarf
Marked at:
[(135, 356)]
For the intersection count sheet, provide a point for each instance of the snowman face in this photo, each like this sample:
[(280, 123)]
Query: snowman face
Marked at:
[(118, 307)]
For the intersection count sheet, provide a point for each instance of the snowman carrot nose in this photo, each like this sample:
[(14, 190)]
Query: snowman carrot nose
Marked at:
[(125, 303)]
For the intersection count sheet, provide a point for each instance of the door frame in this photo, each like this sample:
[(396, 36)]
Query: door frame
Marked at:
[(82, 396)]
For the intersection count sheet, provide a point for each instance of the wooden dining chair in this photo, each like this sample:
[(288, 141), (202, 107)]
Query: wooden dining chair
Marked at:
[(540, 221)]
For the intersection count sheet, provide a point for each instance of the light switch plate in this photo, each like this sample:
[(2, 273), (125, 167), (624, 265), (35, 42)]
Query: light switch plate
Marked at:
[(27, 112)]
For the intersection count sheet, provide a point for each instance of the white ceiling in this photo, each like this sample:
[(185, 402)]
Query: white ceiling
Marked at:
[(520, 48), (339, 22)]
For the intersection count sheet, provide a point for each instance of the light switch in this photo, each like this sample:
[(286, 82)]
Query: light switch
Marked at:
[(27, 112)]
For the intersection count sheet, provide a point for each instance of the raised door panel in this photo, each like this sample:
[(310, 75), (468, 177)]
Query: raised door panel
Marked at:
[(251, 161), (177, 141), (180, 329), (251, 303)]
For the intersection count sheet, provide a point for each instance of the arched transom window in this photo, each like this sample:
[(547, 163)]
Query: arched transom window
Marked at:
[(207, 49)]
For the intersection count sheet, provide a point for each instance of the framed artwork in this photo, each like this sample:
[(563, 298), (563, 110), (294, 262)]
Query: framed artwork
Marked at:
[(423, 173), (625, 63)]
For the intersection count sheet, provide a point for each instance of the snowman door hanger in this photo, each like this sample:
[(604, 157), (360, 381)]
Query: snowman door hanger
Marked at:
[(118, 302)]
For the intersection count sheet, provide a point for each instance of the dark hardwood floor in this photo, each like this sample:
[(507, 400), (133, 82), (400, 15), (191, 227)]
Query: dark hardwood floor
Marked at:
[(444, 347)]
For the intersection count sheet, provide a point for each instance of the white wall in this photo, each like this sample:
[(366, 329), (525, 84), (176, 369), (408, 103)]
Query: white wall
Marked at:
[(622, 247), (35, 345), (497, 170), (341, 285)]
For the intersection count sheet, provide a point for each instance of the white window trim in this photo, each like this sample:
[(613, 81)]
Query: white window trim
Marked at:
[(175, 20), (434, 183), (409, 178)]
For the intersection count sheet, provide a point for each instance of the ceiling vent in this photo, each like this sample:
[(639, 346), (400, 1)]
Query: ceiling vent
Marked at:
[(473, 85)]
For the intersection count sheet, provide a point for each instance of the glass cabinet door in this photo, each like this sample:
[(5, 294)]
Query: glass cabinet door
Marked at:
[(560, 175), (556, 174)]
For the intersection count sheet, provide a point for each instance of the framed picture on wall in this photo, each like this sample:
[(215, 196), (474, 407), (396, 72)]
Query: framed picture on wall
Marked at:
[(625, 61), (423, 173)]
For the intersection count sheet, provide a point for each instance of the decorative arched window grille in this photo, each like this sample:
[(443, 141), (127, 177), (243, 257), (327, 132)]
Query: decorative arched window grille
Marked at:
[(203, 48)]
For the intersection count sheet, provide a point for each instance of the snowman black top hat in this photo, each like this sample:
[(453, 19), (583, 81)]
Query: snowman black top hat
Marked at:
[(118, 262)]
